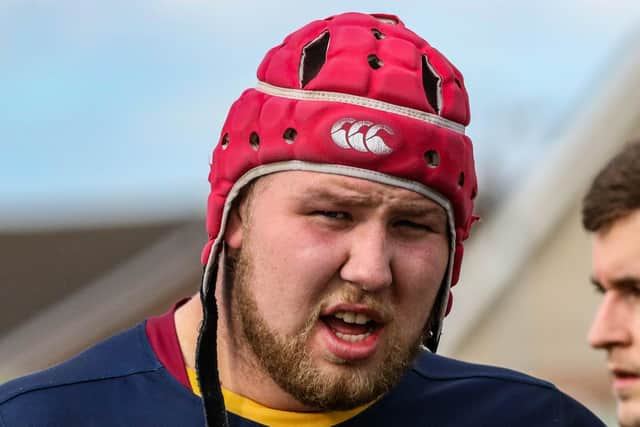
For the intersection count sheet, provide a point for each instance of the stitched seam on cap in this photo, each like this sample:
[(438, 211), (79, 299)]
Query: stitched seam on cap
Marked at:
[(315, 95)]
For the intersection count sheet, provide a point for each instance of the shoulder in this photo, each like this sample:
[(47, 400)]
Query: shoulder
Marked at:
[(122, 369), (450, 392), (121, 355), (433, 367)]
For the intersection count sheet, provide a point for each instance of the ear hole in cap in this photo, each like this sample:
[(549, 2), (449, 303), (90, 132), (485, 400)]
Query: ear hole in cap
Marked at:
[(254, 140), (314, 55), (224, 142), (461, 180), (432, 158), (379, 35), (432, 85), (290, 135), (374, 61)]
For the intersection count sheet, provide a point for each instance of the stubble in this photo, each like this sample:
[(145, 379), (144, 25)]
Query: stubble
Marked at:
[(288, 362)]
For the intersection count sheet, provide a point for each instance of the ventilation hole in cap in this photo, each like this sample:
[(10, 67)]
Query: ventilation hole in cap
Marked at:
[(379, 35), (254, 140), (374, 61), (458, 83), (432, 158), (431, 84), (225, 141), (314, 55), (461, 180), (290, 135)]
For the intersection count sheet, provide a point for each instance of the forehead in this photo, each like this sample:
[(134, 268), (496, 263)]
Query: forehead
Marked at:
[(306, 184), (616, 250)]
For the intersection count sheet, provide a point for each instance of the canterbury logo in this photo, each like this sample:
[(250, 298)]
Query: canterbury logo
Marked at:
[(360, 135)]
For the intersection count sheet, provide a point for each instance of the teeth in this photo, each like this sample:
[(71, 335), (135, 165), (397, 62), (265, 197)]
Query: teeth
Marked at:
[(361, 319), (352, 338), (350, 317)]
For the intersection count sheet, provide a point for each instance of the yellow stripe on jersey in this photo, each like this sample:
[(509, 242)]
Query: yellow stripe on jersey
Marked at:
[(193, 381), (247, 408)]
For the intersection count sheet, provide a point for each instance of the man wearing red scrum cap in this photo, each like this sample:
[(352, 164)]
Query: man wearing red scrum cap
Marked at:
[(342, 189), (611, 211)]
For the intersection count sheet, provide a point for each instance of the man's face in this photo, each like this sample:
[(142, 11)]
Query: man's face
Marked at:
[(616, 326), (335, 278)]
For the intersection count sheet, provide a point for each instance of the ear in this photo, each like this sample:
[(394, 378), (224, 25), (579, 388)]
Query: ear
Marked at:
[(234, 229)]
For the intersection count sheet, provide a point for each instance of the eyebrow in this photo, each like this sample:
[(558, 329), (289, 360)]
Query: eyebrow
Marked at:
[(418, 207), (625, 282)]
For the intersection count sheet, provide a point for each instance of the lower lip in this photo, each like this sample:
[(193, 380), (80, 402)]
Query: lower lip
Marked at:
[(623, 383), (350, 351)]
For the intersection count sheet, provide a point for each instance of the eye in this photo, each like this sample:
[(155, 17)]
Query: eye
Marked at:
[(337, 215), (598, 288), (413, 225), (631, 291)]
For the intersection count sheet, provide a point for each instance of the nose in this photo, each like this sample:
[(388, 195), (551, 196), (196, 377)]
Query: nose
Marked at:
[(610, 326), (368, 264)]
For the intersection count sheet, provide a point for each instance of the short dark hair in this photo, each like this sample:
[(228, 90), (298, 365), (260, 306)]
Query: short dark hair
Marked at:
[(615, 191)]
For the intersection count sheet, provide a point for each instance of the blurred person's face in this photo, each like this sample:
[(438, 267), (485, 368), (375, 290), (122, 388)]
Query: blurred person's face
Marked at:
[(616, 326), (335, 278)]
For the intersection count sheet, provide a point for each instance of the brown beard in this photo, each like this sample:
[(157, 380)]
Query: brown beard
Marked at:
[(287, 361)]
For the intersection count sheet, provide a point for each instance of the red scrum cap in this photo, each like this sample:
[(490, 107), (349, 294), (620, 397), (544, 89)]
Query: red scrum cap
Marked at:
[(357, 95)]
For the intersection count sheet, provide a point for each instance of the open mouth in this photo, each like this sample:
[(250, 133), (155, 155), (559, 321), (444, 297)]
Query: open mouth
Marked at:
[(624, 375), (351, 326), (623, 379)]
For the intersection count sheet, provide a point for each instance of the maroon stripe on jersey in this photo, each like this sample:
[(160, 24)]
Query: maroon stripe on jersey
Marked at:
[(161, 331)]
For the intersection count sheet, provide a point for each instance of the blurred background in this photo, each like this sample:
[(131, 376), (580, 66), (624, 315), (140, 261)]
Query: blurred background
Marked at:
[(109, 112)]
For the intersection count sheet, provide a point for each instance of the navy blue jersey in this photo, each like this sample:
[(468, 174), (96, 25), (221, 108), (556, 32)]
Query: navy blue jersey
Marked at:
[(121, 382)]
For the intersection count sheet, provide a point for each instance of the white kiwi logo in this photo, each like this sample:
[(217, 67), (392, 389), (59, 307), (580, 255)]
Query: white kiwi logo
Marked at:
[(354, 136)]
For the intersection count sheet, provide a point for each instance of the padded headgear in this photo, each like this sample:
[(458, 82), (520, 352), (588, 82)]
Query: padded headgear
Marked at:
[(358, 95)]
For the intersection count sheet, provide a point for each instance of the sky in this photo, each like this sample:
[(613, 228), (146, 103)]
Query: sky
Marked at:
[(109, 111)]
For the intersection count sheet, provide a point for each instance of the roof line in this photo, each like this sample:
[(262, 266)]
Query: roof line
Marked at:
[(130, 289)]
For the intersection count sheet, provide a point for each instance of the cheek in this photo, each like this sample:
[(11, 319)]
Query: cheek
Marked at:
[(419, 275), (294, 243), (291, 270), (635, 329)]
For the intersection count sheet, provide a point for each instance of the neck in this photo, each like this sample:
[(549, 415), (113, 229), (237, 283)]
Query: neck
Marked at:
[(187, 320)]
